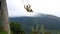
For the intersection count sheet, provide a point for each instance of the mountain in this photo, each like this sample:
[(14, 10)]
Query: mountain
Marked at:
[(50, 22)]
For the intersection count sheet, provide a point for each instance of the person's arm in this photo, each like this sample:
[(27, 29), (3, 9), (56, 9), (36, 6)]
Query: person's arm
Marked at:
[(24, 7), (29, 5)]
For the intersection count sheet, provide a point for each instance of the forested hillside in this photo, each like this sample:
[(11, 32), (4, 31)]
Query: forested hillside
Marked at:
[(50, 22)]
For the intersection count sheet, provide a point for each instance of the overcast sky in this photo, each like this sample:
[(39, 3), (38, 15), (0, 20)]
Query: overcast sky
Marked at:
[(16, 7)]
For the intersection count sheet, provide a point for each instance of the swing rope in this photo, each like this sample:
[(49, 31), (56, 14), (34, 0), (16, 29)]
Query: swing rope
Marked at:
[(27, 6), (27, 1), (24, 3)]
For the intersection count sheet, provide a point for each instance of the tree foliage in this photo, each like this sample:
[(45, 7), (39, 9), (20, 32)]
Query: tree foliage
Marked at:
[(16, 28)]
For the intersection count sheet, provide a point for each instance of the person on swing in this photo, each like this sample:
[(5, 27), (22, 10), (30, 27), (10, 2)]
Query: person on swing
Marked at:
[(28, 8)]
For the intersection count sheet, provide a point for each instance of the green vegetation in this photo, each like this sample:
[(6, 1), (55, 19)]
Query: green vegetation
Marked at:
[(17, 28), (3, 33)]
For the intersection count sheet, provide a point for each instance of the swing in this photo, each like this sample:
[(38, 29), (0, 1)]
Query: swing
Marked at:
[(27, 7)]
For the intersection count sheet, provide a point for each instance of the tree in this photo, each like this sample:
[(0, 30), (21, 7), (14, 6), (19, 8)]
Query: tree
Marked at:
[(4, 16), (42, 29), (16, 28), (37, 30)]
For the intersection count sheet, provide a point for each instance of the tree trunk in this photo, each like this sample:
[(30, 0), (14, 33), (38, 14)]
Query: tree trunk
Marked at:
[(4, 16)]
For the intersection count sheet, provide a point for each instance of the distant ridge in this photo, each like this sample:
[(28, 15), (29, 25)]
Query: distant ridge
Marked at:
[(50, 21)]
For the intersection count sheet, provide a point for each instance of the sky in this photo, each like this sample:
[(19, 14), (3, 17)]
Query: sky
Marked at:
[(16, 7)]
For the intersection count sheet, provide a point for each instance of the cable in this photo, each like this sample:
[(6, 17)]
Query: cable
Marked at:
[(22, 2), (27, 1)]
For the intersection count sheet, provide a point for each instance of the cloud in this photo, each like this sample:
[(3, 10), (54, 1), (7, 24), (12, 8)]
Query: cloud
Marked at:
[(16, 7)]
